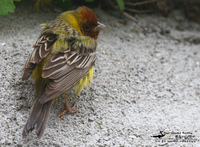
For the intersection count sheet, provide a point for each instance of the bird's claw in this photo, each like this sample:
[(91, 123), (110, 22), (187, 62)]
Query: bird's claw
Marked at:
[(68, 109)]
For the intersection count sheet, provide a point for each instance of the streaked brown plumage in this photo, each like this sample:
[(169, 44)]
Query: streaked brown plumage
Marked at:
[(63, 57)]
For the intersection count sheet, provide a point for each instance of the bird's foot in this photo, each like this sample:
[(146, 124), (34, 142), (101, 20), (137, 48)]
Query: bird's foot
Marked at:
[(68, 109)]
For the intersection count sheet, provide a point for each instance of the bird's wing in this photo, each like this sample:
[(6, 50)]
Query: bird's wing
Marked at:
[(42, 48), (66, 68)]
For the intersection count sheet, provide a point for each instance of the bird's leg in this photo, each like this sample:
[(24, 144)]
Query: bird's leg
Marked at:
[(67, 108)]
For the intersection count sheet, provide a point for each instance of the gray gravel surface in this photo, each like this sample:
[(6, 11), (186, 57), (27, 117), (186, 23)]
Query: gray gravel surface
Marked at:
[(143, 84)]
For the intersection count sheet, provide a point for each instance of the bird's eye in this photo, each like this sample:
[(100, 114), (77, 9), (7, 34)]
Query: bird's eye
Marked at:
[(87, 28)]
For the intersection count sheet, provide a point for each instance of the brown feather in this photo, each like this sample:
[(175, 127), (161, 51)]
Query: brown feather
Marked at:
[(63, 76), (38, 117), (42, 48)]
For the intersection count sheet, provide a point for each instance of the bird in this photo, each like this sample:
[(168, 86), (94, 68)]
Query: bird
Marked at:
[(63, 58)]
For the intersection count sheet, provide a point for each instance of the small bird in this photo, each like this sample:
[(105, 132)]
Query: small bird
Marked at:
[(63, 58)]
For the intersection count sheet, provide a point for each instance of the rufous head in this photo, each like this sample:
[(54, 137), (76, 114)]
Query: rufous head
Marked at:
[(89, 25)]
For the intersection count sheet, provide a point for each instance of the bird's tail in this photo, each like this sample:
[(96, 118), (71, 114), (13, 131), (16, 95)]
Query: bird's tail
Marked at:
[(39, 113), (38, 118)]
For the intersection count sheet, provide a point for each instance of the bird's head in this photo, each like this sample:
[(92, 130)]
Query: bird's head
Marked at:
[(88, 23)]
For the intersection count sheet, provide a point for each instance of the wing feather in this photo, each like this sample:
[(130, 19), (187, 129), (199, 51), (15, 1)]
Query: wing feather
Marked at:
[(42, 48), (65, 69)]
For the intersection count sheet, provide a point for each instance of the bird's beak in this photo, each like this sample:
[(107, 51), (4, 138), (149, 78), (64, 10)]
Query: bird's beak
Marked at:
[(100, 27)]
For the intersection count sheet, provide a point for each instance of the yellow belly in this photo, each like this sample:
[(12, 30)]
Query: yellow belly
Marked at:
[(84, 81)]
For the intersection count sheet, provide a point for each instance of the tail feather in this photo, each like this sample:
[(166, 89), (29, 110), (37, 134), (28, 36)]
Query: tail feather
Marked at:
[(38, 118)]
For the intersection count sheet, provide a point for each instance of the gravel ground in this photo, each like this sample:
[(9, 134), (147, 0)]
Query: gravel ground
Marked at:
[(143, 84)]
